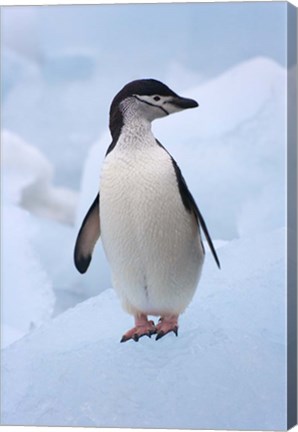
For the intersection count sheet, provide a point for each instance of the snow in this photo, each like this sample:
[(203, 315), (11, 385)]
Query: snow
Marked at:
[(10, 334), (225, 370), (28, 177), (54, 243), (29, 203), (57, 112), (69, 65), (250, 85), (27, 298), (16, 70)]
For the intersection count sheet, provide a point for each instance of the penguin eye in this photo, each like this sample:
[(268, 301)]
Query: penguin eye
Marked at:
[(156, 98)]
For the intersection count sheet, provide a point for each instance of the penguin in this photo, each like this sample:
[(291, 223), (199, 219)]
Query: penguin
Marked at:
[(150, 225)]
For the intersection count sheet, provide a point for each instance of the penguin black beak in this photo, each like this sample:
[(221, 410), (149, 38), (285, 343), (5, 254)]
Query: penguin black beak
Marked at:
[(184, 103)]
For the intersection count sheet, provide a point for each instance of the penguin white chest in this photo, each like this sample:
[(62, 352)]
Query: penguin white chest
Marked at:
[(152, 243)]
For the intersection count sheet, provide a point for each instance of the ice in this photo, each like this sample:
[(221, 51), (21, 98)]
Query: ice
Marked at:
[(10, 334), (15, 70), (54, 243), (20, 32), (27, 298), (50, 212), (69, 65), (226, 369), (28, 177), (31, 206), (59, 114), (231, 99)]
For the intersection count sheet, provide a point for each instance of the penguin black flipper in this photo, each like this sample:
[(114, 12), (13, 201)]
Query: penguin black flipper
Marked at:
[(87, 237), (190, 204), (207, 235)]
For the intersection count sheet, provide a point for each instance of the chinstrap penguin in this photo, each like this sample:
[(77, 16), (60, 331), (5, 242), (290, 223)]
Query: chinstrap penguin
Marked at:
[(148, 220)]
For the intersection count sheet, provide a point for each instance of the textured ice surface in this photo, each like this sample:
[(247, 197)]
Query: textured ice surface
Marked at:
[(225, 370), (27, 297), (29, 201), (28, 177)]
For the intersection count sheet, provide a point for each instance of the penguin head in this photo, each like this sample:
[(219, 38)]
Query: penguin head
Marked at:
[(146, 99)]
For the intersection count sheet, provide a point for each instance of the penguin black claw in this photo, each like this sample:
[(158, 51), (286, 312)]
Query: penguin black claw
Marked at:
[(137, 337), (160, 335)]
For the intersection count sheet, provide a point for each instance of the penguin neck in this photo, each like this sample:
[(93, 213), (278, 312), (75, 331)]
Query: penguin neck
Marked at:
[(133, 129), (136, 127), (129, 122), (136, 134)]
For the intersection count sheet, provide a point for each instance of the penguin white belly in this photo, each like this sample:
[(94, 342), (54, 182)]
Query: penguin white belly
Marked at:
[(151, 241)]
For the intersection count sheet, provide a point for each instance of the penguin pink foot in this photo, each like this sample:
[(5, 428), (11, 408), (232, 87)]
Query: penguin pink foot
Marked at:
[(167, 324), (143, 327)]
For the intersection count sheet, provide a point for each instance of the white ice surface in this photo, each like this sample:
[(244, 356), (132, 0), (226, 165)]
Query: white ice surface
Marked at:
[(226, 369), (27, 298), (30, 207), (28, 177)]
